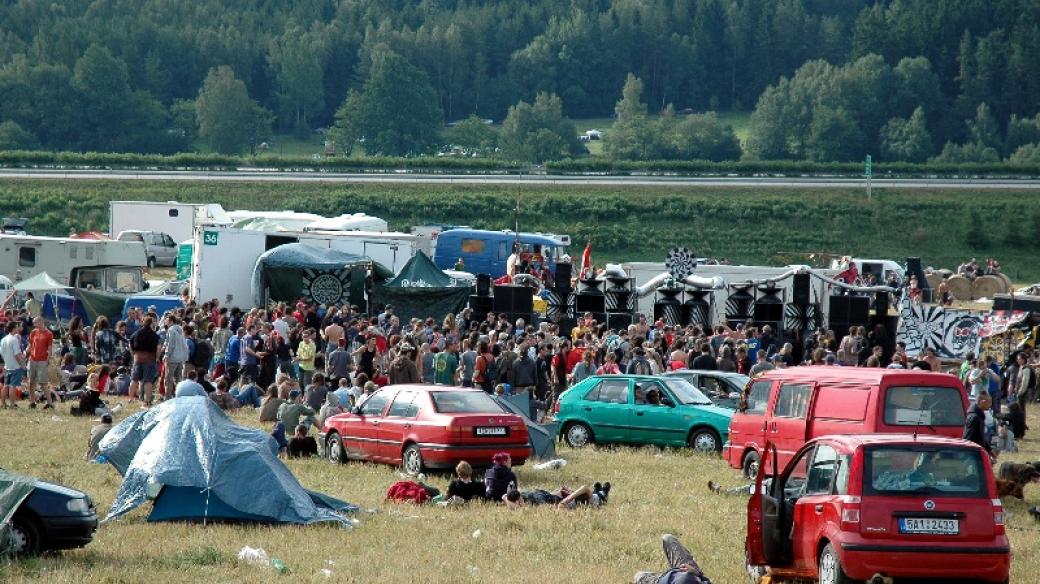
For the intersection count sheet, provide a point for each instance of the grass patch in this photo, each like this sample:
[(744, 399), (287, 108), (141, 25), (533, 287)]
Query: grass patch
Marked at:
[(655, 491)]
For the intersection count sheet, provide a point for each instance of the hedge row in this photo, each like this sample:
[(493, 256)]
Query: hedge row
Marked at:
[(185, 161)]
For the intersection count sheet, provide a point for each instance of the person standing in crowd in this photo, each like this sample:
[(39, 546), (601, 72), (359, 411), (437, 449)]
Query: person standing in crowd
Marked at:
[(249, 355), (468, 362), (145, 347), (305, 356), (338, 363), (980, 376), (975, 423), (485, 370), (14, 364), (41, 343), (446, 365), (175, 354)]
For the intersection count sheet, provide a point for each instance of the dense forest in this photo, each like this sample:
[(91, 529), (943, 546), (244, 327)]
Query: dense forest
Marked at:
[(827, 79)]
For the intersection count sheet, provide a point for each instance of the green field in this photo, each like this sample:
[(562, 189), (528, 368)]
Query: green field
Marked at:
[(624, 223), (654, 492)]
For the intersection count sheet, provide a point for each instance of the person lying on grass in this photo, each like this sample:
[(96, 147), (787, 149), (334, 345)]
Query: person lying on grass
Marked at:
[(464, 488), (682, 568), (563, 498)]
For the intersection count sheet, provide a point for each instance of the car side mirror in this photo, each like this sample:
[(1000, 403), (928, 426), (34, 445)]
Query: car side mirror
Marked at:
[(667, 401)]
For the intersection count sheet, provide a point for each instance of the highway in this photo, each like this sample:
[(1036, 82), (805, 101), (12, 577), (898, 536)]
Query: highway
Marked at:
[(255, 175)]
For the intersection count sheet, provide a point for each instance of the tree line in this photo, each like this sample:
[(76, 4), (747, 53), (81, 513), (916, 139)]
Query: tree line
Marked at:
[(827, 79)]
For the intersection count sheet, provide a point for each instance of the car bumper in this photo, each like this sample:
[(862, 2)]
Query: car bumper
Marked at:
[(449, 455), (62, 533), (990, 563)]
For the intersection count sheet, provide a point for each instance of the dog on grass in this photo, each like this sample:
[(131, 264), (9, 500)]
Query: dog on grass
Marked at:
[(1009, 489)]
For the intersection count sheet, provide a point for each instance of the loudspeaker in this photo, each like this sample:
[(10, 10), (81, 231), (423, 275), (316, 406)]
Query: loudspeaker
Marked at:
[(801, 292), (563, 274), (513, 299), (697, 309), (839, 310), (768, 312), (738, 304), (619, 320), (859, 310), (881, 304), (584, 302), (481, 306), (483, 284)]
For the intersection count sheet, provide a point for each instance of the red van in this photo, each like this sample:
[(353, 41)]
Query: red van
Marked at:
[(789, 406), (849, 508)]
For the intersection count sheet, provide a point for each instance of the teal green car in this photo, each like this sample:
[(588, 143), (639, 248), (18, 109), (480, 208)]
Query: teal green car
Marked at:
[(636, 409)]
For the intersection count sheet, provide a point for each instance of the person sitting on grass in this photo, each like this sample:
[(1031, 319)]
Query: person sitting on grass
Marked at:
[(330, 408), (247, 394), (563, 498), (500, 478), (189, 386), (682, 568), (291, 411), (97, 432), (278, 433), (301, 445), (464, 488), (222, 398), (90, 401)]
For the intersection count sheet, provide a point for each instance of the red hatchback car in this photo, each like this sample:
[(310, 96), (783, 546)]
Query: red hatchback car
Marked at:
[(849, 508), (426, 426)]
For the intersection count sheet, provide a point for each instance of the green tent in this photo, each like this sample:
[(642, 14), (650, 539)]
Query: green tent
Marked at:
[(325, 276), (14, 489), (422, 289)]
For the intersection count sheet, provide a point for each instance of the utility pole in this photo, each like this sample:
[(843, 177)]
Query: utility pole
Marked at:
[(867, 172)]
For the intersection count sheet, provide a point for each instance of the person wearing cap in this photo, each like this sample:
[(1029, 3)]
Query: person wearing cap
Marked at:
[(500, 477), (97, 432), (290, 412)]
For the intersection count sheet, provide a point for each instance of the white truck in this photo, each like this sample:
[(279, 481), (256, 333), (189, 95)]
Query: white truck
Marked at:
[(178, 220), (113, 266), (223, 257)]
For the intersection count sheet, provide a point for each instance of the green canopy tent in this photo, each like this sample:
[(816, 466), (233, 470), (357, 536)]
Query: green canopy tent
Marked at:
[(325, 276), (422, 289)]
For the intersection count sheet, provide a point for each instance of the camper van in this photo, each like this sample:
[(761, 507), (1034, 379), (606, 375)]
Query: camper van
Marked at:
[(113, 266), (223, 257), (486, 252)]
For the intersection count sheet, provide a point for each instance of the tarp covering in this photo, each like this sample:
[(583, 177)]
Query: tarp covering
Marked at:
[(542, 437), (295, 270), (96, 303), (14, 489), (40, 282), (188, 445), (421, 290)]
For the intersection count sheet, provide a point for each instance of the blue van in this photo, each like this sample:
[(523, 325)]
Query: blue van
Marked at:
[(486, 252)]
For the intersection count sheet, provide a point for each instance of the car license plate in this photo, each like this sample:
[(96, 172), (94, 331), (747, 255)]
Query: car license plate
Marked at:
[(929, 525), (490, 430)]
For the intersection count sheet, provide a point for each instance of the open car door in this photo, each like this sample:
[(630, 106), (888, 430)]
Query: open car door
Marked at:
[(765, 544)]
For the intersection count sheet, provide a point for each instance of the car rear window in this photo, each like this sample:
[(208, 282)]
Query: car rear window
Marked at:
[(464, 402), (924, 470), (924, 406)]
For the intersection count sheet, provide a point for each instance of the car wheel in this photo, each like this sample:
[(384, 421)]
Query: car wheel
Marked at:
[(830, 568), (334, 449), (578, 435), (413, 462), (750, 465), (25, 537), (705, 440), (151, 262)]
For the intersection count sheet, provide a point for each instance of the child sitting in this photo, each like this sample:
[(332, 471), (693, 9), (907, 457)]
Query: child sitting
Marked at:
[(97, 432), (464, 488), (301, 444)]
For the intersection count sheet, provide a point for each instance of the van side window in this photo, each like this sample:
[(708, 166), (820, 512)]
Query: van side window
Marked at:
[(821, 471), (472, 246), (27, 257), (758, 398), (793, 401)]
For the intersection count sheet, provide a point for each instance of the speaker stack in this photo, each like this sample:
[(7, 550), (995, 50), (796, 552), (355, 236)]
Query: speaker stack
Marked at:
[(516, 301), (590, 299), (769, 307), (738, 304), (481, 301), (847, 311), (668, 307), (560, 300), (619, 299), (697, 308), (801, 313)]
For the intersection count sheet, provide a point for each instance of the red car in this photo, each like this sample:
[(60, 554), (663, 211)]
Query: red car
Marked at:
[(848, 508), (426, 426)]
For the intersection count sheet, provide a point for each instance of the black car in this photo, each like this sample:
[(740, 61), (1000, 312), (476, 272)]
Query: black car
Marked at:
[(52, 518)]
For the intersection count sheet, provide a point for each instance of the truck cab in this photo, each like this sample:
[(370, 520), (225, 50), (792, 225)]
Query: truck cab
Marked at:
[(486, 252)]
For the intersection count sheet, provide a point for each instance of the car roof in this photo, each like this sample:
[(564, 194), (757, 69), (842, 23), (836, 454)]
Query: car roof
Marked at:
[(861, 374), (431, 388), (625, 376), (852, 441)]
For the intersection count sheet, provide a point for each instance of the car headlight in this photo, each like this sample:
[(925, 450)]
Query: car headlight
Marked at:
[(77, 506)]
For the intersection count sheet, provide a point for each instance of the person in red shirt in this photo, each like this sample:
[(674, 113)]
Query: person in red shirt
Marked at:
[(41, 340)]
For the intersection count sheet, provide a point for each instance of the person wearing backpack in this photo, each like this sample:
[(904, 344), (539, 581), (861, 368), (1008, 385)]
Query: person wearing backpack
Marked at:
[(639, 365), (485, 372), (202, 358)]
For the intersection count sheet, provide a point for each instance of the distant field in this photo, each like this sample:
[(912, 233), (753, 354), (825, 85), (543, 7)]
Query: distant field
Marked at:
[(624, 223)]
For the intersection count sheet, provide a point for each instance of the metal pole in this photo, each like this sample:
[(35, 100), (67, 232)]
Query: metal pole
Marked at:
[(869, 178)]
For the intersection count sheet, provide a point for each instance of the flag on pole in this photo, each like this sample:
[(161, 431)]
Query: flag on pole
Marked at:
[(586, 262)]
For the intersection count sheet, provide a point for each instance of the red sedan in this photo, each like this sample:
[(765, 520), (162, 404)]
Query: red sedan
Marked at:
[(426, 426)]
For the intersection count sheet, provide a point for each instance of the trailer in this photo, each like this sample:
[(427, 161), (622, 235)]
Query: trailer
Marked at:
[(223, 258), (112, 266), (178, 220)]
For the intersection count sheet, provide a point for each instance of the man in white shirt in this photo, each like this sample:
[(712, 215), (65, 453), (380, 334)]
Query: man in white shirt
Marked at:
[(14, 364)]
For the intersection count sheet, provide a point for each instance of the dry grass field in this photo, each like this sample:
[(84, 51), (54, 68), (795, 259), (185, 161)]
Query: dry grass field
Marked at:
[(653, 492)]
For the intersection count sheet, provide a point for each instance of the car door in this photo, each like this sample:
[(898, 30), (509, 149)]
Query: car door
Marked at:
[(169, 250), (656, 424), (747, 429), (786, 422), (363, 439), (606, 408), (396, 425), (816, 506)]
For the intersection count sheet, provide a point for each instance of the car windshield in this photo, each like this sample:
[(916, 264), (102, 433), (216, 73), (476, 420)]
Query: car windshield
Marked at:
[(924, 406), (464, 402), (926, 470), (686, 393)]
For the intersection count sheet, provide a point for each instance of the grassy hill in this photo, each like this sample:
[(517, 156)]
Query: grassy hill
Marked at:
[(623, 223)]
